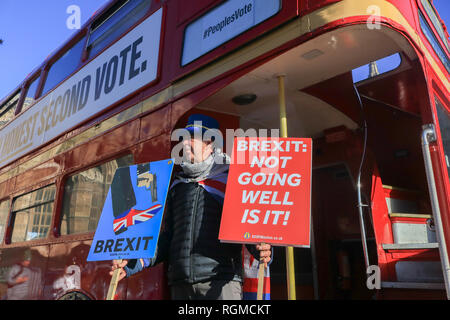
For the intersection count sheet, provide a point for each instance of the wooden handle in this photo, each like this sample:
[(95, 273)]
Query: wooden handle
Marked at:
[(113, 283), (259, 295)]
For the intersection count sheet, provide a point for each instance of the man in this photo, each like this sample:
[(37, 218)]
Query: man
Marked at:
[(199, 265)]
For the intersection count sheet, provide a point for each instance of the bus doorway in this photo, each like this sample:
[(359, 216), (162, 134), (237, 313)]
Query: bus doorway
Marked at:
[(324, 103), (340, 263)]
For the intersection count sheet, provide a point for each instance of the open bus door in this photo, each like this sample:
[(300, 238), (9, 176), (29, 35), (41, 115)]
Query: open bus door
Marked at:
[(436, 152), (395, 231)]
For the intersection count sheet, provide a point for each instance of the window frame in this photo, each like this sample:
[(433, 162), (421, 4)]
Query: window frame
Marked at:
[(6, 226), (90, 29), (44, 75), (26, 87), (11, 217), (424, 9), (58, 216), (423, 17), (17, 93)]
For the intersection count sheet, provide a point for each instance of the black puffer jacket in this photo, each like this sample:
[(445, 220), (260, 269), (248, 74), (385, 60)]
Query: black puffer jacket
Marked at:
[(189, 241)]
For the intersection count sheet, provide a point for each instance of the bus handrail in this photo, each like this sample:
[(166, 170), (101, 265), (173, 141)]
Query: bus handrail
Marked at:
[(429, 135)]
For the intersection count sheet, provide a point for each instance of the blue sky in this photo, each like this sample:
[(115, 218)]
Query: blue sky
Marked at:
[(32, 29)]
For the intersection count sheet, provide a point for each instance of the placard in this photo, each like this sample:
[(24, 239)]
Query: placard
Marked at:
[(268, 192), (132, 213)]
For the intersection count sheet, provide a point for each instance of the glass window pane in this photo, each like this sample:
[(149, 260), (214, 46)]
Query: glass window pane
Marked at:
[(84, 195), (31, 92), (435, 20), (8, 109), (30, 213), (4, 210), (19, 233), (444, 124), (115, 22), (64, 66), (383, 65), (434, 42)]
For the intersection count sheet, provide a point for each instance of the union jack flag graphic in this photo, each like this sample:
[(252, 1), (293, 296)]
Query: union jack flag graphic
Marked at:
[(215, 185), (132, 217)]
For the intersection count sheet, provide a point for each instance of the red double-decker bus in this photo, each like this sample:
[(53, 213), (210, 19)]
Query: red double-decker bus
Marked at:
[(113, 93)]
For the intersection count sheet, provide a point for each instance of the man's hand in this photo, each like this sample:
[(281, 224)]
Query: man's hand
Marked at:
[(117, 265), (20, 280), (265, 251), (145, 179)]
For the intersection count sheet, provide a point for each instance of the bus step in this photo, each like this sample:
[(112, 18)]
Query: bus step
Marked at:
[(412, 228), (410, 246), (401, 199), (413, 285)]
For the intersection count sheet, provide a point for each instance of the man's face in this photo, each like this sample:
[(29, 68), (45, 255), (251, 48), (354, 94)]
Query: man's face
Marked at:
[(196, 150), (26, 263)]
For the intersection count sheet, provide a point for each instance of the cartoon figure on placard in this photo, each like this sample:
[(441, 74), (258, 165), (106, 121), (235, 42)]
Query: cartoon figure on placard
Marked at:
[(132, 212), (124, 193)]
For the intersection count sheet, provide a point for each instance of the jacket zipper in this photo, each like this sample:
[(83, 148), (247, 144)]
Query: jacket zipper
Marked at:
[(191, 271)]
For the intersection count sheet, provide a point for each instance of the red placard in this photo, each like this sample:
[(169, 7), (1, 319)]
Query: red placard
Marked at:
[(268, 193)]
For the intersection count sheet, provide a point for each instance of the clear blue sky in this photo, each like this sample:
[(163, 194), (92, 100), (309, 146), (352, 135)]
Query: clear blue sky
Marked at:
[(32, 29)]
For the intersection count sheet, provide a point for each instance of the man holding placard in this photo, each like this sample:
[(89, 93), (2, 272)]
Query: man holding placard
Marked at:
[(200, 266), (269, 192)]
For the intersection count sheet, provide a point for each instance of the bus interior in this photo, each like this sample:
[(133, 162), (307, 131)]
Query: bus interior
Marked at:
[(322, 104)]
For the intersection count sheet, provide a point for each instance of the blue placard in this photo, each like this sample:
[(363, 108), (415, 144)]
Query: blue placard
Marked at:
[(132, 213)]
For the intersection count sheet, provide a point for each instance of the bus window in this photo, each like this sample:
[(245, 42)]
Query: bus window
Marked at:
[(31, 94), (426, 29), (64, 66), (383, 65), (84, 195), (8, 109), (114, 22), (4, 210), (444, 124), (435, 20), (32, 214)]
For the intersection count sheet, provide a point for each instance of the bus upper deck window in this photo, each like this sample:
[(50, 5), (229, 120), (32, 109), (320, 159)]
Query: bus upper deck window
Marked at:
[(4, 210), (8, 109), (114, 22), (64, 66), (429, 34), (30, 94), (32, 214), (435, 20)]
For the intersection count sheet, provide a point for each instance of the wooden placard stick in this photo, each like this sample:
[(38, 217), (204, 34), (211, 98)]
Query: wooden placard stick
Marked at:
[(114, 282), (261, 271)]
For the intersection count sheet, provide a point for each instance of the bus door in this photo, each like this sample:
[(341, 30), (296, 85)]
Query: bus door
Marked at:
[(436, 152), (334, 265)]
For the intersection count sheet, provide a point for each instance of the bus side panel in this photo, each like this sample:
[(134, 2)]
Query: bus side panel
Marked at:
[(22, 272), (69, 271), (45, 171), (108, 144)]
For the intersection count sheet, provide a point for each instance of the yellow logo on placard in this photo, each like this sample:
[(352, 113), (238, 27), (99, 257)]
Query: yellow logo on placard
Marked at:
[(247, 235)]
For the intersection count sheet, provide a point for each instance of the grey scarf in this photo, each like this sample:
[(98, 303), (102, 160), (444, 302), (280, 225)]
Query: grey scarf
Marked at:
[(216, 163)]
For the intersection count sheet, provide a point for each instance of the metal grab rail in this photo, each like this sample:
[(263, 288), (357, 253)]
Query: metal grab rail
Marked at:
[(429, 135)]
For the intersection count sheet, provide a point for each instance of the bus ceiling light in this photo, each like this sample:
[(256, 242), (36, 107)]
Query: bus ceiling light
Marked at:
[(244, 99), (312, 54)]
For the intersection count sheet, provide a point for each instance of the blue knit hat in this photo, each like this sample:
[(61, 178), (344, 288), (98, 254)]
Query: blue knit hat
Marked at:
[(197, 122)]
